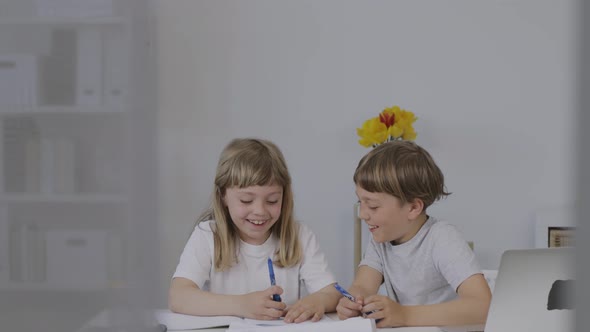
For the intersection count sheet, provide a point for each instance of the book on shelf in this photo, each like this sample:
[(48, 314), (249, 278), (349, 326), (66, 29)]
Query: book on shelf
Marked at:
[(74, 8), (32, 163), (64, 176), (115, 66), (18, 135), (57, 165), (89, 66), (26, 252), (59, 65), (16, 261), (76, 258), (35, 252), (4, 248), (18, 80)]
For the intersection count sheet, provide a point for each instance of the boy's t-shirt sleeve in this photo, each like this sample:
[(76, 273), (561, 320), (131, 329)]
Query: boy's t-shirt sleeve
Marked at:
[(372, 258), (452, 255), (314, 270), (196, 260)]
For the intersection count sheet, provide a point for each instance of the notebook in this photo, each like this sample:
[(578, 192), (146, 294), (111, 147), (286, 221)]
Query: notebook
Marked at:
[(180, 322), (533, 291)]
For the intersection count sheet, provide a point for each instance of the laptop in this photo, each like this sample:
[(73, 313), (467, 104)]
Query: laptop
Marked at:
[(533, 291)]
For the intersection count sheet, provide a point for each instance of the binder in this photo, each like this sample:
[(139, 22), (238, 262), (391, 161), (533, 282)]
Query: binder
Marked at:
[(89, 66), (115, 67)]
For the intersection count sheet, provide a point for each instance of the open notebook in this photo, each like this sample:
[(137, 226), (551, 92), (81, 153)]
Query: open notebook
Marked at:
[(179, 322)]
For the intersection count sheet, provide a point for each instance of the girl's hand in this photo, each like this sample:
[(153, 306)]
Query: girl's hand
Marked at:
[(387, 312), (305, 309), (259, 305), (347, 309)]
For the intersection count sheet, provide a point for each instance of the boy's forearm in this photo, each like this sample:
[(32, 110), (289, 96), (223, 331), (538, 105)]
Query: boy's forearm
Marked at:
[(193, 301), (465, 311), (360, 290)]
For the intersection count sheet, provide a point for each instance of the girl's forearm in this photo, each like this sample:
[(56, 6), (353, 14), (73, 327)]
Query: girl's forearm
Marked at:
[(328, 296), (194, 301)]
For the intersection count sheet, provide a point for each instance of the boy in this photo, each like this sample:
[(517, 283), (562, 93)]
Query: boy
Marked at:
[(430, 273)]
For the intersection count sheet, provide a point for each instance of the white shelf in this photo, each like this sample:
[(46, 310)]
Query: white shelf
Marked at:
[(58, 110), (57, 198), (64, 20), (44, 286)]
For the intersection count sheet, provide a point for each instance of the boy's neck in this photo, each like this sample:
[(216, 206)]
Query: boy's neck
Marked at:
[(416, 225)]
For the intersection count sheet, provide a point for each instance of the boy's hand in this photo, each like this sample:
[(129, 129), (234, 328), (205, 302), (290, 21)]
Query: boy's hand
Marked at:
[(304, 309), (387, 312), (259, 305), (347, 309)]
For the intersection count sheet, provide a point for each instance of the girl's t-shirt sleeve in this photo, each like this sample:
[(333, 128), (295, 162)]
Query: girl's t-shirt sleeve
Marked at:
[(314, 269), (196, 260), (452, 255)]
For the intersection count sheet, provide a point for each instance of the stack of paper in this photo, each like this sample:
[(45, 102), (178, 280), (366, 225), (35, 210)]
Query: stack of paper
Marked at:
[(175, 322), (357, 324)]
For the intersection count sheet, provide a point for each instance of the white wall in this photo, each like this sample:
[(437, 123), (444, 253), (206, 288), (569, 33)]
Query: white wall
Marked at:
[(491, 82)]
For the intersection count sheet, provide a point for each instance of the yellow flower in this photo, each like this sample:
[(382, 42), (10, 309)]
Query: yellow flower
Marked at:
[(372, 132), (391, 124)]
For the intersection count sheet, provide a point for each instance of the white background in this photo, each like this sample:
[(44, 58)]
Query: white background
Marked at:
[(492, 83)]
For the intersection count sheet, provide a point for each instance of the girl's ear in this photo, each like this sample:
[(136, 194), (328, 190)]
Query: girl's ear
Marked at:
[(416, 208), (221, 195)]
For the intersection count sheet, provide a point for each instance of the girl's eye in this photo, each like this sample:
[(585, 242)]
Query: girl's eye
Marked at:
[(272, 202), (245, 202), (373, 207)]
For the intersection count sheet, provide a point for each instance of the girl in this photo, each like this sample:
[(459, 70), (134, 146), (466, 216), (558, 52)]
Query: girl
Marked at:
[(223, 269)]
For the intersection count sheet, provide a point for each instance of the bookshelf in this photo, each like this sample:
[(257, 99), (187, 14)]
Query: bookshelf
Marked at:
[(67, 153)]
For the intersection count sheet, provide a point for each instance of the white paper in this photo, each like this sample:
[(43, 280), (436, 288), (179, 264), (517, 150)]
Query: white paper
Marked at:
[(247, 323), (174, 321), (357, 324)]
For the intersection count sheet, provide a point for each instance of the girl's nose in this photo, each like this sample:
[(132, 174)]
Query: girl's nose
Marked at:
[(259, 209)]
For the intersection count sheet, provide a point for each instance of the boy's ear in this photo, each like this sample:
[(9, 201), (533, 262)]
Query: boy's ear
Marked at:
[(416, 208)]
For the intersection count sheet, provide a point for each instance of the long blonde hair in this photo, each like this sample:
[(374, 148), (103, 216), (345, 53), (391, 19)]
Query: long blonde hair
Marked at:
[(243, 163)]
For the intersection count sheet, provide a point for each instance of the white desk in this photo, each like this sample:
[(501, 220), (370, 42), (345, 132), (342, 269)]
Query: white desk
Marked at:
[(102, 321)]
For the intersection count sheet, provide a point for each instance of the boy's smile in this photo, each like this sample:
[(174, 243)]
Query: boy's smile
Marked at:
[(389, 219)]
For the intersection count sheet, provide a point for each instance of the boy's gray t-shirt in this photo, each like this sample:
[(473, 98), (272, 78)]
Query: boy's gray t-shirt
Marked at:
[(428, 268)]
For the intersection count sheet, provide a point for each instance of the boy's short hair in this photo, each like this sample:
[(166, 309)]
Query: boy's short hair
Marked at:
[(402, 169)]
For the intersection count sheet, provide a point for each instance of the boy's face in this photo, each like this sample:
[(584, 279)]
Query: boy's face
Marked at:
[(388, 219), (254, 210)]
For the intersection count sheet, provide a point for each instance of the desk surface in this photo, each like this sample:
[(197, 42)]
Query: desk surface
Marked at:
[(99, 321)]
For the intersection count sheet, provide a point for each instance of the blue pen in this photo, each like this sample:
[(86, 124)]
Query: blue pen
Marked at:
[(271, 273), (344, 292), (349, 296)]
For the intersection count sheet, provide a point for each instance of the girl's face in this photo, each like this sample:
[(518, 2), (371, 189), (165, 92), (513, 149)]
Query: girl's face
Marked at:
[(388, 219), (254, 210)]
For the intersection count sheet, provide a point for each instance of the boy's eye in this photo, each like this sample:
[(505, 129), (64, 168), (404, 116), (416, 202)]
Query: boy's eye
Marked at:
[(373, 207)]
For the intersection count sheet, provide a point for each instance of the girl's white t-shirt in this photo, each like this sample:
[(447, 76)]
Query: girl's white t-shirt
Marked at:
[(251, 274)]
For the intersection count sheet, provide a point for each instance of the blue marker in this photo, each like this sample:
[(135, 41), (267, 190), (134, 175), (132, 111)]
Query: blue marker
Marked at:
[(271, 273)]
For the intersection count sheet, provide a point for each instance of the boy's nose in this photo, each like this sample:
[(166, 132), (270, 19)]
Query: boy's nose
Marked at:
[(362, 214)]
